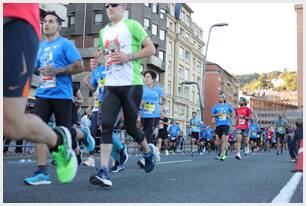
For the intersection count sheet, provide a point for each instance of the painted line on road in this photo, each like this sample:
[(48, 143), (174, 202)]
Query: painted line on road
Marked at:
[(285, 195), (171, 162)]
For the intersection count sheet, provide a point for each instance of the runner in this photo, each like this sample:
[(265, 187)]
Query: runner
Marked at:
[(121, 41), (222, 112), (150, 110), (281, 125), (253, 134), (95, 83), (195, 123), (56, 61), (21, 34), (163, 133), (243, 115), (174, 131)]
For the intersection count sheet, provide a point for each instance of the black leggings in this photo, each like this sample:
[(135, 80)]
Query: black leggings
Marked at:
[(115, 97), (149, 125)]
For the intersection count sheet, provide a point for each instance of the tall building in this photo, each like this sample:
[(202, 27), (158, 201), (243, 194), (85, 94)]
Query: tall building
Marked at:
[(299, 17), (218, 80), (84, 21), (184, 61)]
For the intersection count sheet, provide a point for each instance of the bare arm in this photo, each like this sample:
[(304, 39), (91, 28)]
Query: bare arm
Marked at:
[(71, 69)]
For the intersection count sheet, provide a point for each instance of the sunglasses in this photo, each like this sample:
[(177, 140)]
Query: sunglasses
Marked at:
[(113, 5)]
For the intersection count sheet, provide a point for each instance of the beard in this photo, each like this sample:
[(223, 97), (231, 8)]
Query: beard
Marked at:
[(241, 104)]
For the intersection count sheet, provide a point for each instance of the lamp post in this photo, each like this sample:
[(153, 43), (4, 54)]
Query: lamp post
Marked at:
[(201, 103), (204, 64)]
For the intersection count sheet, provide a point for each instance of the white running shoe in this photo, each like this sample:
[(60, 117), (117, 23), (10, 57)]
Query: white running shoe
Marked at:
[(238, 157)]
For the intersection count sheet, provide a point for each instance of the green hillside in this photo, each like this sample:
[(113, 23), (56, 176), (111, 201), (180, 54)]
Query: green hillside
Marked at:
[(251, 82)]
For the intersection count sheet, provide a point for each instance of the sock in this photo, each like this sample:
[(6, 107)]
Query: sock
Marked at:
[(43, 169), (59, 141)]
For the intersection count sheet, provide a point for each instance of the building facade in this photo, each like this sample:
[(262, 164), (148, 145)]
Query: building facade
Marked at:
[(184, 61), (218, 80), (299, 17)]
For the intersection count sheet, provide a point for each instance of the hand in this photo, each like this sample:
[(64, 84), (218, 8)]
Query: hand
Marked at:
[(118, 57), (93, 63), (47, 71), (86, 80)]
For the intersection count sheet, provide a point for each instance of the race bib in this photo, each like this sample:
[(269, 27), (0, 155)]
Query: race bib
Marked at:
[(149, 108), (280, 129), (161, 126), (101, 83), (253, 133), (241, 121), (97, 103), (222, 116), (47, 81)]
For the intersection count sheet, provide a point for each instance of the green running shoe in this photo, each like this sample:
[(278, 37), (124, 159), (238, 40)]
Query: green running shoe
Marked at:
[(223, 157), (66, 161)]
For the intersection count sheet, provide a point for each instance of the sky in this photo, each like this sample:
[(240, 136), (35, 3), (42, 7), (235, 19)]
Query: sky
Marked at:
[(260, 37)]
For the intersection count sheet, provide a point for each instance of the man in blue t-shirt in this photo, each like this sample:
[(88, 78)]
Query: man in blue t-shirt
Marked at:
[(174, 131), (281, 125), (254, 135), (221, 113), (57, 59), (195, 123)]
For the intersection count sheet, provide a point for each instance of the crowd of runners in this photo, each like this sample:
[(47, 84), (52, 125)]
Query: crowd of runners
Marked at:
[(123, 97)]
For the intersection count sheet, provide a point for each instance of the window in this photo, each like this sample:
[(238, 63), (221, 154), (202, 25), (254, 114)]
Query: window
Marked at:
[(71, 20), (187, 55), (146, 23), (161, 55), (180, 91), (181, 73), (186, 92), (162, 13), (181, 53), (98, 19), (162, 34), (154, 29), (154, 8), (96, 42), (169, 87), (186, 74)]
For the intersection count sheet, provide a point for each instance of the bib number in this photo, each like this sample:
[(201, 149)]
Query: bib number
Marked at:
[(149, 108)]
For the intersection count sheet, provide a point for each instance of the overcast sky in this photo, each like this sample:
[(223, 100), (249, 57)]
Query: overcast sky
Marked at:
[(261, 37)]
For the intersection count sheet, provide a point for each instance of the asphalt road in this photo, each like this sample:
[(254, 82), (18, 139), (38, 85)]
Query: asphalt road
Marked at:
[(181, 178)]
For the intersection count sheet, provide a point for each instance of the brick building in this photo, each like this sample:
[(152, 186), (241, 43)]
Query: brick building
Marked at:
[(218, 80)]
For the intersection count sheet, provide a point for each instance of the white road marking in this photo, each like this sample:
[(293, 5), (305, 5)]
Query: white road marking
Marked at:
[(285, 195), (171, 162)]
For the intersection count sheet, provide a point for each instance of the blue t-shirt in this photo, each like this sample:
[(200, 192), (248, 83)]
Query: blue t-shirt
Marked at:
[(174, 130), (280, 125), (195, 124), (97, 80), (59, 53), (222, 118), (150, 98), (209, 133), (203, 131), (253, 130)]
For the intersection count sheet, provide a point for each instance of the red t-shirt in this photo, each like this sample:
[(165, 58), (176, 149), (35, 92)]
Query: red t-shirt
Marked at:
[(269, 134), (25, 11), (243, 123)]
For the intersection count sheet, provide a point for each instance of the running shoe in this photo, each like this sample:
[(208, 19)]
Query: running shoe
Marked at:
[(65, 160), (123, 154), (238, 157), (88, 140), (38, 179), (90, 162), (166, 152), (150, 160), (141, 163), (223, 157), (117, 167), (102, 178)]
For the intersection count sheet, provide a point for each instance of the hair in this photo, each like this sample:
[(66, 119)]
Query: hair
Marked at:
[(299, 124), (152, 74), (194, 112), (53, 13)]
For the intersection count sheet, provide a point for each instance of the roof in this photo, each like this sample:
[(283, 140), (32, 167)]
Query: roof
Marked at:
[(212, 63)]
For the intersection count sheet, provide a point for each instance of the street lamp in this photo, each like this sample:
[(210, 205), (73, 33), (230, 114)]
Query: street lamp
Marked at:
[(204, 62), (201, 103)]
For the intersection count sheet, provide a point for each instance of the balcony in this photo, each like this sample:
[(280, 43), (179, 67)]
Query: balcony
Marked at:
[(156, 63)]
